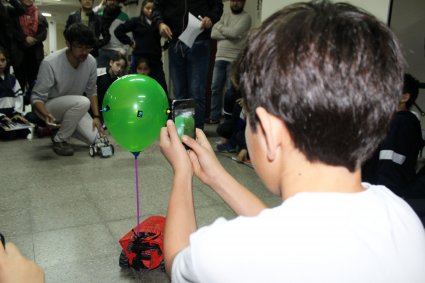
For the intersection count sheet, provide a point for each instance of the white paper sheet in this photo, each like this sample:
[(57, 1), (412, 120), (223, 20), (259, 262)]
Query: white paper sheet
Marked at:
[(192, 31)]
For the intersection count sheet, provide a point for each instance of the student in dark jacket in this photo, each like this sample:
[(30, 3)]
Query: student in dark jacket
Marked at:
[(116, 68), (394, 162), (188, 65), (146, 43), (86, 16)]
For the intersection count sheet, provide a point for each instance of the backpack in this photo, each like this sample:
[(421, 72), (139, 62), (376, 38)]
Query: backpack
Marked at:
[(146, 250)]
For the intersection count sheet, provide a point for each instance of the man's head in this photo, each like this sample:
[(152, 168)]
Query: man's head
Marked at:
[(236, 6), (80, 40), (410, 90), (331, 73), (111, 4), (86, 5)]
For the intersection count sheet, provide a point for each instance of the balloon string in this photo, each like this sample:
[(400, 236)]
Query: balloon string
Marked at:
[(136, 163)]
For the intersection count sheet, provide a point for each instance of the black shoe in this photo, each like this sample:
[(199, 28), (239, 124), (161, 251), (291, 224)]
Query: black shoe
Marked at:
[(62, 148)]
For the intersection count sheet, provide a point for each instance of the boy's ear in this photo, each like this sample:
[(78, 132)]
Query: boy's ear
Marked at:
[(67, 43), (274, 132)]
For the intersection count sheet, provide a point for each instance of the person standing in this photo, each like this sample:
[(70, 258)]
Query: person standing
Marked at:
[(111, 16), (86, 16), (188, 66), (66, 89), (30, 32), (231, 33), (146, 42)]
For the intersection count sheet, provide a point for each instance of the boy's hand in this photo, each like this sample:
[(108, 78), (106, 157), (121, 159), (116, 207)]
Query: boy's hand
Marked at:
[(173, 149), (204, 161), (16, 268)]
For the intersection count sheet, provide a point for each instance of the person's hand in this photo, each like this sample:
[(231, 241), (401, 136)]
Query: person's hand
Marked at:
[(51, 121), (20, 119), (204, 161), (165, 31), (30, 41), (16, 268), (173, 149), (206, 23), (97, 124)]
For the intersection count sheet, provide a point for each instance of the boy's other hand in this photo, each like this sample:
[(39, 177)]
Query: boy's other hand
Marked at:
[(16, 268), (173, 149), (204, 161)]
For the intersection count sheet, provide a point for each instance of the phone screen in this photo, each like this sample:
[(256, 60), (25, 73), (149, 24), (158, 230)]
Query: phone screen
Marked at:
[(184, 117)]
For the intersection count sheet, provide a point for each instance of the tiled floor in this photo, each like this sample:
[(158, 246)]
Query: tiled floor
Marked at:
[(68, 213)]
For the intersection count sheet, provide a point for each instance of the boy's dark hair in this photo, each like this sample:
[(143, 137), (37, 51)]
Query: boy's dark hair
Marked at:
[(331, 72), (410, 86), (80, 34)]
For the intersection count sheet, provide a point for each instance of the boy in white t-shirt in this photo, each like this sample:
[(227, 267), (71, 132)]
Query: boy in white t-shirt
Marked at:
[(320, 82)]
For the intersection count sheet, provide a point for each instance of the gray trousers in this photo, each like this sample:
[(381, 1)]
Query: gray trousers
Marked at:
[(71, 111)]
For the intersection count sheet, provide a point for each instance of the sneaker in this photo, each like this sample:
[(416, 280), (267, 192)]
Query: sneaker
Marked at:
[(226, 147), (62, 148)]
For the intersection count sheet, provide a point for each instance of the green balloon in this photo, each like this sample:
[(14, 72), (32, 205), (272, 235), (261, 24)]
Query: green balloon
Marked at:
[(134, 110)]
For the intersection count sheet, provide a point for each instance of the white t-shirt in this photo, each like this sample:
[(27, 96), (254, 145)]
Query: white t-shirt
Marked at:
[(371, 236)]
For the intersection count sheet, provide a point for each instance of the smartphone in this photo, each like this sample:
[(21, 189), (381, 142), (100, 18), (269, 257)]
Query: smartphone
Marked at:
[(183, 113)]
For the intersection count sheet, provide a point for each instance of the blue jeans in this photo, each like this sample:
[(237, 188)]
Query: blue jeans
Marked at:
[(220, 82), (189, 73)]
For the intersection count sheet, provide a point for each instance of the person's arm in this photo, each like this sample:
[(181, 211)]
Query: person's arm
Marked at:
[(40, 92), (16, 268), (70, 20), (42, 29), (16, 8), (209, 170), (99, 7), (239, 30), (158, 20), (105, 36), (181, 220), (122, 30), (215, 10), (91, 92), (216, 30)]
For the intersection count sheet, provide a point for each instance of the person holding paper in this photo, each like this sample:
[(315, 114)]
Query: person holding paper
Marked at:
[(188, 65)]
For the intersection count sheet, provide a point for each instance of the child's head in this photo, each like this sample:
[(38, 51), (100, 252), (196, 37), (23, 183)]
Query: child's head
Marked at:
[(3, 60), (142, 66), (117, 64), (331, 72), (147, 6), (410, 90)]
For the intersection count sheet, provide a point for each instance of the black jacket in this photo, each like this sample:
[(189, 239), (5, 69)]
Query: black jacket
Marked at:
[(101, 31), (403, 142), (146, 37), (174, 13)]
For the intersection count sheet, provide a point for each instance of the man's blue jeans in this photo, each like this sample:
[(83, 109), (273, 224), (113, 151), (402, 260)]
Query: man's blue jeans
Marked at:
[(220, 83), (189, 73)]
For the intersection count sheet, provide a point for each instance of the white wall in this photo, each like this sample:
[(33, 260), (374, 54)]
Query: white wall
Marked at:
[(379, 8)]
